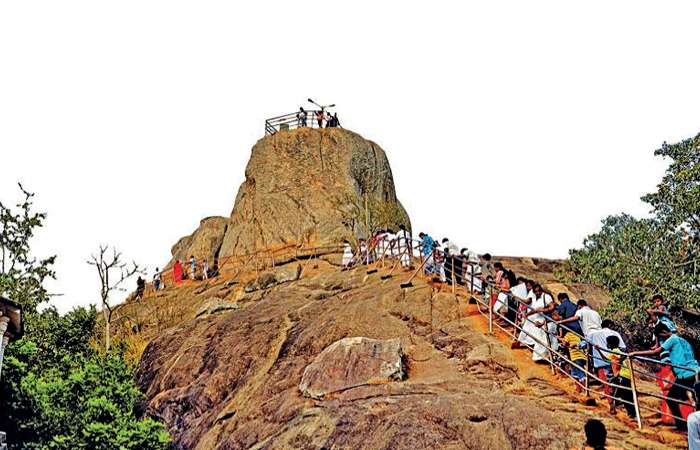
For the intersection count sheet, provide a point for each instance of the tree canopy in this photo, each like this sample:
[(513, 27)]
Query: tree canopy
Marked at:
[(636, 258)]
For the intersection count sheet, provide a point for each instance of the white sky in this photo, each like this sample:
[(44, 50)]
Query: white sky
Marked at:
[(132, 120)]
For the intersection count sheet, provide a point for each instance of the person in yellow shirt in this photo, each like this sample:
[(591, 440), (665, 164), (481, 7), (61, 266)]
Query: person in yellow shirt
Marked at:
[(577, 357), (623, 377)]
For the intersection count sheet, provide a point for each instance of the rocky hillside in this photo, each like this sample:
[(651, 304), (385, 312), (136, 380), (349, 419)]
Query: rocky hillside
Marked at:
[(287, 364), (309, 356), (305, 186)]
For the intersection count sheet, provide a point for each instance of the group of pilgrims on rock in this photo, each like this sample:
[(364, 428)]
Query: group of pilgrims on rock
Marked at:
[(550, 328), (443, 259)]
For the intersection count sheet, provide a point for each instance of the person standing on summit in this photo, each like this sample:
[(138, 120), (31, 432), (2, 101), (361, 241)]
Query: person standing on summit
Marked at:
[(301, 117), (319, 118)]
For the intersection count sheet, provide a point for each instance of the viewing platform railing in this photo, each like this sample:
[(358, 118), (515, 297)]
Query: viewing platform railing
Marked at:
[(292, 120)]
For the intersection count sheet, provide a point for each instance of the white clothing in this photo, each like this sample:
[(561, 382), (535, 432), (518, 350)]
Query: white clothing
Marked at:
[(534, 335), (519, 290), (381, 246), (694, 431), (501, 304), (403, 243), (599, 339), (347, 255), (392, 250), (363, 252), (590, 320), (552, 329), (451, 248)]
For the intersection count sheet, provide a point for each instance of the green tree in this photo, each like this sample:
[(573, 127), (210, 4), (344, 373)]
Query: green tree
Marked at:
[(56, 390), (59, 393), (677, 199), (22, 275), (636, 258)]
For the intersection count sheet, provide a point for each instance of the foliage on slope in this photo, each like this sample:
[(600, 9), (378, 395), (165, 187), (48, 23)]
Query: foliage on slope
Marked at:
[(57, 391), (636, 258)]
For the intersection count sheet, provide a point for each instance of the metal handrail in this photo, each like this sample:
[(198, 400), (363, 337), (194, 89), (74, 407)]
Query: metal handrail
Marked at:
[(489, 288), (274, 124)]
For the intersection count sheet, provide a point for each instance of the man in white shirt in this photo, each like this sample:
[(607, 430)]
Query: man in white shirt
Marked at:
[(589, 318)]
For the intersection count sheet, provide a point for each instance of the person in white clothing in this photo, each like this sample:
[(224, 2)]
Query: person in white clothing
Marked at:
[(205, 269), (348, 256), (403, 242), (598, 339), (156, 280), (694, 431), (534, 331), (364, 256), (589, 318)]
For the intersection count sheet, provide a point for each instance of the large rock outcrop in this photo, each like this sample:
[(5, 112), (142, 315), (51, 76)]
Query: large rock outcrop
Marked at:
[(204, 242), (310, 186), (303, 187)]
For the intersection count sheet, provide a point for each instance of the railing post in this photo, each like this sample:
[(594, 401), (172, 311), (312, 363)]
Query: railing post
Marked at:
[(488, 305), (635, 398), (587, 368), (471, 280), (454, 279)]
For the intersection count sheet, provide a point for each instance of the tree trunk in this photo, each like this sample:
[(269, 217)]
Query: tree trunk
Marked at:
[(108, 335)]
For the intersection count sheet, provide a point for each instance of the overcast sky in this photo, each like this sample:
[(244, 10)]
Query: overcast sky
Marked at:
[(511, 127)]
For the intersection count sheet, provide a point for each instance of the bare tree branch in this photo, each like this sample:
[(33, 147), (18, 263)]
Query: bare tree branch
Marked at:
[(106, 265)]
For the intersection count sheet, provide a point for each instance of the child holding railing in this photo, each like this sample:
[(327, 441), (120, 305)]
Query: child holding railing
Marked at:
[(622, 377)]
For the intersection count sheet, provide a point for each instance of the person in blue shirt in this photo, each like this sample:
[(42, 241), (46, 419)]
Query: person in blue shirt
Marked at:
[(567, 309), (427, 246), (684, 365)]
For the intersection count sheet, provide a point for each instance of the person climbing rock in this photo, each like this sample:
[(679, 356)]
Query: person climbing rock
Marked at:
[(348, 255), (685, 367), (156, 280), (205, 269), (140, 287), (193, 267), (177, 272)]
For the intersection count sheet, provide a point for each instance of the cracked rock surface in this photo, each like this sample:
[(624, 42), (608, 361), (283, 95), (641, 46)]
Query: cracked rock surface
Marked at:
[(303, 186), (231, 380)]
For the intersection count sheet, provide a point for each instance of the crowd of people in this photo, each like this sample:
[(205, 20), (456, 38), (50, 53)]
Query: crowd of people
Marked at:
[(570, 334), (321, 117), (194, 270), (574, 336)]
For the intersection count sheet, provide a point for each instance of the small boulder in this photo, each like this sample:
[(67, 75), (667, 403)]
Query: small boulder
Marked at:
[(268, 279), (287, 274), (353, 362), (319, 294), (263, 281), (215, 304)]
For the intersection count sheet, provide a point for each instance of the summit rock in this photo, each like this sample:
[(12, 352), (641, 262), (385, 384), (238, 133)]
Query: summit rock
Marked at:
[(303, 187)]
